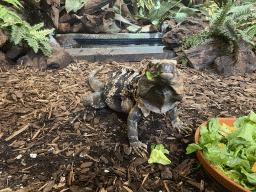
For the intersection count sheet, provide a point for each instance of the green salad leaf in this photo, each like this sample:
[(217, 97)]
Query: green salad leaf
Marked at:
[(158, 155), (232, 150)]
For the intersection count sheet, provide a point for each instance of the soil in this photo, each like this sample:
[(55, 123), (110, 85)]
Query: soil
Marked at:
[(40, 150)]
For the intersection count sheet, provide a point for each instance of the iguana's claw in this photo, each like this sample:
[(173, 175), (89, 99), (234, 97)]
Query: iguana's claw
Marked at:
[(182, 127), (139, 148)]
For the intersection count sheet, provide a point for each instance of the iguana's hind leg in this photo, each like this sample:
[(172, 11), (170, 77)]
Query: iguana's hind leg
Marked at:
[(93, 101)]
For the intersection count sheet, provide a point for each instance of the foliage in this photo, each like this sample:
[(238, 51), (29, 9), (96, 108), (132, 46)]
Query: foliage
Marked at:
[(208, 9), (228, 25), (231, 149), (158, 155), (185, 12), (15, 3), (151, 76), (156, 11), (74, 5), (183, 60), (20, 32), (160, 10)]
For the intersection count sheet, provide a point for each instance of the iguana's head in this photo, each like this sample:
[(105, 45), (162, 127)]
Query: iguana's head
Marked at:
[(160, 86)]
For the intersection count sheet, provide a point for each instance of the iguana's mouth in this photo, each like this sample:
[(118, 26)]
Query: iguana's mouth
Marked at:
[(157, 109)]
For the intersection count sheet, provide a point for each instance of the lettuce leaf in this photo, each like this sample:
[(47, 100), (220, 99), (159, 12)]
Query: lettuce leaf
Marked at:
[(158, 155), (232, 150)]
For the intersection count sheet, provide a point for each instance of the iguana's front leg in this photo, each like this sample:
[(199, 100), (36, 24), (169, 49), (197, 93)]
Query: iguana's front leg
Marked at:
[(176, 122), (132, 122)]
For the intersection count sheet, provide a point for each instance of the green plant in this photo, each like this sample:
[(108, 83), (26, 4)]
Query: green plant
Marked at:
[(151, 76), (230, 149), (228, 26), (20, 32), (155, 11), (183, 60)]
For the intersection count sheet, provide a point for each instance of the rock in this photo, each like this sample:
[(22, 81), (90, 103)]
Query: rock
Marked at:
[(68, 18), (227, 66), (202, 56), (102, 22), (15, 52), (4, 60), (78, 27), (65, 18), (60, 58), (148, 29), (182, 30), (64, 28), (124, 31), (3, 38), (92, 6), (168, 25), (67, 41), (223, 64), (247, 60)]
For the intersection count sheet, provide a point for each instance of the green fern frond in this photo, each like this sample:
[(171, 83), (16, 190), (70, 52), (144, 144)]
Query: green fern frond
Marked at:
[(15, 3), (32, 43), (229, 30), (251, 30), (37, 26), (17, 34), (195, 40), (220, 17), (8, 16), (42, 34), (20, 32), (246, 38), (228, 25), (46, 48), (243, 14)]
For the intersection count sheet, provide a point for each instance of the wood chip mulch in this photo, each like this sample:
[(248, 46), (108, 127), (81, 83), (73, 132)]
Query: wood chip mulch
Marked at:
[(40, 150)]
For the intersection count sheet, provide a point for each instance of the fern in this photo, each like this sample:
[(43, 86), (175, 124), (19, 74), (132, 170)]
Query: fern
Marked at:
[(219, 18), (15, 3), (228, 25), (251, 30), (195, 40), (20, 32)]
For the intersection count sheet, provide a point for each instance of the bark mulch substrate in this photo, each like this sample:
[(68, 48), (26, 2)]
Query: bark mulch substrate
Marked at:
[(41, 151)]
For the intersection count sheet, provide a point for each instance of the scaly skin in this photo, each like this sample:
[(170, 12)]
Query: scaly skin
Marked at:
[(135, 94)]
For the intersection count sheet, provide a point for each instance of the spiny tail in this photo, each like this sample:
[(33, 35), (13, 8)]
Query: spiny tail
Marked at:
[(96, 84)]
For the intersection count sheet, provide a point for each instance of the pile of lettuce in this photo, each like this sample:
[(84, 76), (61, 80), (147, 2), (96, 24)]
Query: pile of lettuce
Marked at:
[(232, 150)]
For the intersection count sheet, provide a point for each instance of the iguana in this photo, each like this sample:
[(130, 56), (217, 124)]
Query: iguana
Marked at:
[(138, 93)]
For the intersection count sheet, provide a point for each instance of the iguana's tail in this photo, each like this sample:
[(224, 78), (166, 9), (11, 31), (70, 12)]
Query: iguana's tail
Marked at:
[(96, 84)]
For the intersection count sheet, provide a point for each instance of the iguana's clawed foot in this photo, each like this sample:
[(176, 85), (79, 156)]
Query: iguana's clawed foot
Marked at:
[(79, 113), (182, 127), (83, 112), (139, 148)]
